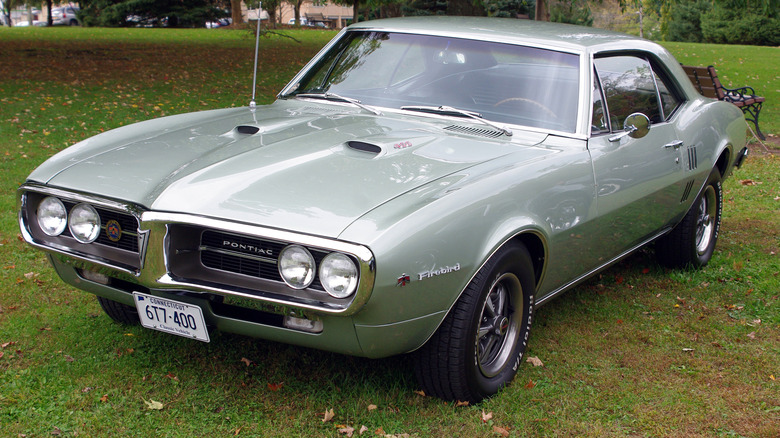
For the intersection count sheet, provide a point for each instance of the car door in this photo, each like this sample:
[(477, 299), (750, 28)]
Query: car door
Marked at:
[(638, 178)]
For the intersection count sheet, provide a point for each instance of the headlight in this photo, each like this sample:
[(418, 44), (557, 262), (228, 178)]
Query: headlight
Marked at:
[(338, 275), (84, 223), (52, 216), (296, 265)]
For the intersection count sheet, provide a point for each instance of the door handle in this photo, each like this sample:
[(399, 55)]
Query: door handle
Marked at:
[(677, 144)]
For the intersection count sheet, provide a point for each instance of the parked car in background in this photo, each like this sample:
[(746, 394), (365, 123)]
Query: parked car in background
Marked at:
[(222, 22), (422, 185), (65, 16), (302, 22)]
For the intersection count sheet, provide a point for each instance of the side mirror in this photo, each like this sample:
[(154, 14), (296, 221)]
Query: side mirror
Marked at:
[(636, 125)]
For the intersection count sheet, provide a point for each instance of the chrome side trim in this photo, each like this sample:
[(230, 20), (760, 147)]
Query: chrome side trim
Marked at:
[(580, 279)]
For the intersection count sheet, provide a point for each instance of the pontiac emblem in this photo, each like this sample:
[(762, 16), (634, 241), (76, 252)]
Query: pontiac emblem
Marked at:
[(113, 230)]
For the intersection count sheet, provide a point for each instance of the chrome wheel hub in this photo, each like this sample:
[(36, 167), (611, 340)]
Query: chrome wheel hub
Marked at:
[(705, 220), (499, 324)]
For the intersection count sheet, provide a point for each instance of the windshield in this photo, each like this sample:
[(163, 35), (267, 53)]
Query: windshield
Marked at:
[(501, 82)]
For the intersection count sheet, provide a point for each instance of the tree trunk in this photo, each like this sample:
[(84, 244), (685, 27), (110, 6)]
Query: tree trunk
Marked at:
[(541, 11), (355, 11), (49, 20), (235, 12)]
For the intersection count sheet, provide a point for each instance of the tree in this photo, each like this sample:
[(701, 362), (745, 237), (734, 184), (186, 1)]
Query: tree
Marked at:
[(235, 12)]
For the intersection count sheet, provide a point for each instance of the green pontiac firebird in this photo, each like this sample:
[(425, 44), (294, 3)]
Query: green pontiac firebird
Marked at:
[(420, 186)]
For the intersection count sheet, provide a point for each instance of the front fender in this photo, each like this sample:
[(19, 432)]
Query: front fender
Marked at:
[(429, 244)]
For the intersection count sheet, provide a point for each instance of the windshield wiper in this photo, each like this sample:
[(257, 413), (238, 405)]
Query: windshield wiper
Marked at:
[(450, 111), (336, 98)]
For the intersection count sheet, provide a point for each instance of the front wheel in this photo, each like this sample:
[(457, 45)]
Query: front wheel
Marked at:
[(692, 241), (121, 313), (481, 342)]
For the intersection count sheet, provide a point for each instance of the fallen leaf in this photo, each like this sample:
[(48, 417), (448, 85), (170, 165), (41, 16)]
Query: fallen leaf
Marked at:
[(459, 404), (329, 414), (2, 354), (246, 361), (56, 431), (501, 431), (29, 275), (486, 417), (421, 393), (86, 389), (535, 361), (275, 386), (153, 405), (362, 429), (69, 358), (5, 344), (372, 408), (530, 384), (687, 350), (104, 398), (237, 431), (772, 377), (646, 271), (380, 432), (749, 182), (751, 335), (348, 431)]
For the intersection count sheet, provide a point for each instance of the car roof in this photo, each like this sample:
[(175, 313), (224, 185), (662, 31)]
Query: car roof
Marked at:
[(509, 30)]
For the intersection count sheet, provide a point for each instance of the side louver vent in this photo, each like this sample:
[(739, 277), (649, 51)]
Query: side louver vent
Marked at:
[(490, 133), (364, 147), (692, 158), (687, 191)]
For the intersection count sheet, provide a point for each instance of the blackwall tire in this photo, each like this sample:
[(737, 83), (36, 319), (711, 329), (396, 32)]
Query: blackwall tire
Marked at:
[(121, 313), (480, 344), (692, 242)]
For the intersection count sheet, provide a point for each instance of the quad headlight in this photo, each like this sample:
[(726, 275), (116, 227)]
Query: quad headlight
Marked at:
[(84, 223), (338, 275), (296, 266), (52, 216)]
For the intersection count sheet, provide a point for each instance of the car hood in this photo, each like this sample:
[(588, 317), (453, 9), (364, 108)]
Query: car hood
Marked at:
[(295, 165)]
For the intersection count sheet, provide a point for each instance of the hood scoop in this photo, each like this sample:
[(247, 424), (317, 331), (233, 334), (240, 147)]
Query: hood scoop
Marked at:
[(247, 129), (480, 132), (364, 147)]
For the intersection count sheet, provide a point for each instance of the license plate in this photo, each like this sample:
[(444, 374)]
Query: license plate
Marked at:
[(171, 316)]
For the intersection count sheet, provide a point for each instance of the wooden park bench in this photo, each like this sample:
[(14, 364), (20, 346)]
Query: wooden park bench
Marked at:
[(705, 79)]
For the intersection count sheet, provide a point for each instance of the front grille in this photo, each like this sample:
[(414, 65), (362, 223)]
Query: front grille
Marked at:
[(247, 255), (124, 253), (128, 241)]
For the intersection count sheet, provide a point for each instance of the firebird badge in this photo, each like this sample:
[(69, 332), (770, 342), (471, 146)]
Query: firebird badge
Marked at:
[(437, 272), (113, 230), (403, 280)]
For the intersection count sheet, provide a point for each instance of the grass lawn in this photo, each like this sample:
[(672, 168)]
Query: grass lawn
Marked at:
[(638, 351)]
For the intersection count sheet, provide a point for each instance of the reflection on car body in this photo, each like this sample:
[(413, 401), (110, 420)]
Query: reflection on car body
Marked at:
[(422, 185)]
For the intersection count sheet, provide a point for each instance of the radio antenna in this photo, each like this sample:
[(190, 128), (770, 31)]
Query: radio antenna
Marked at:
[(252, 103)]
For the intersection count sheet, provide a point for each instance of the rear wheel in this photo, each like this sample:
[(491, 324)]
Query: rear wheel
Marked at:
[(121, 313), (480, 344), (692, 241)]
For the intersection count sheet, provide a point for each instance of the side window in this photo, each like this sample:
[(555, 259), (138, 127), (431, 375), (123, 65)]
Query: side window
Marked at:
[(629, 87)]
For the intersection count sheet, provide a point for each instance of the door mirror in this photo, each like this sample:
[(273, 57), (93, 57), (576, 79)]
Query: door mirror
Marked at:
[(636, 125)]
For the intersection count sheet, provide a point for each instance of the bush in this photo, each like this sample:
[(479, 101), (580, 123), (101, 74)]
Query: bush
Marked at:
[(725, 26)]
